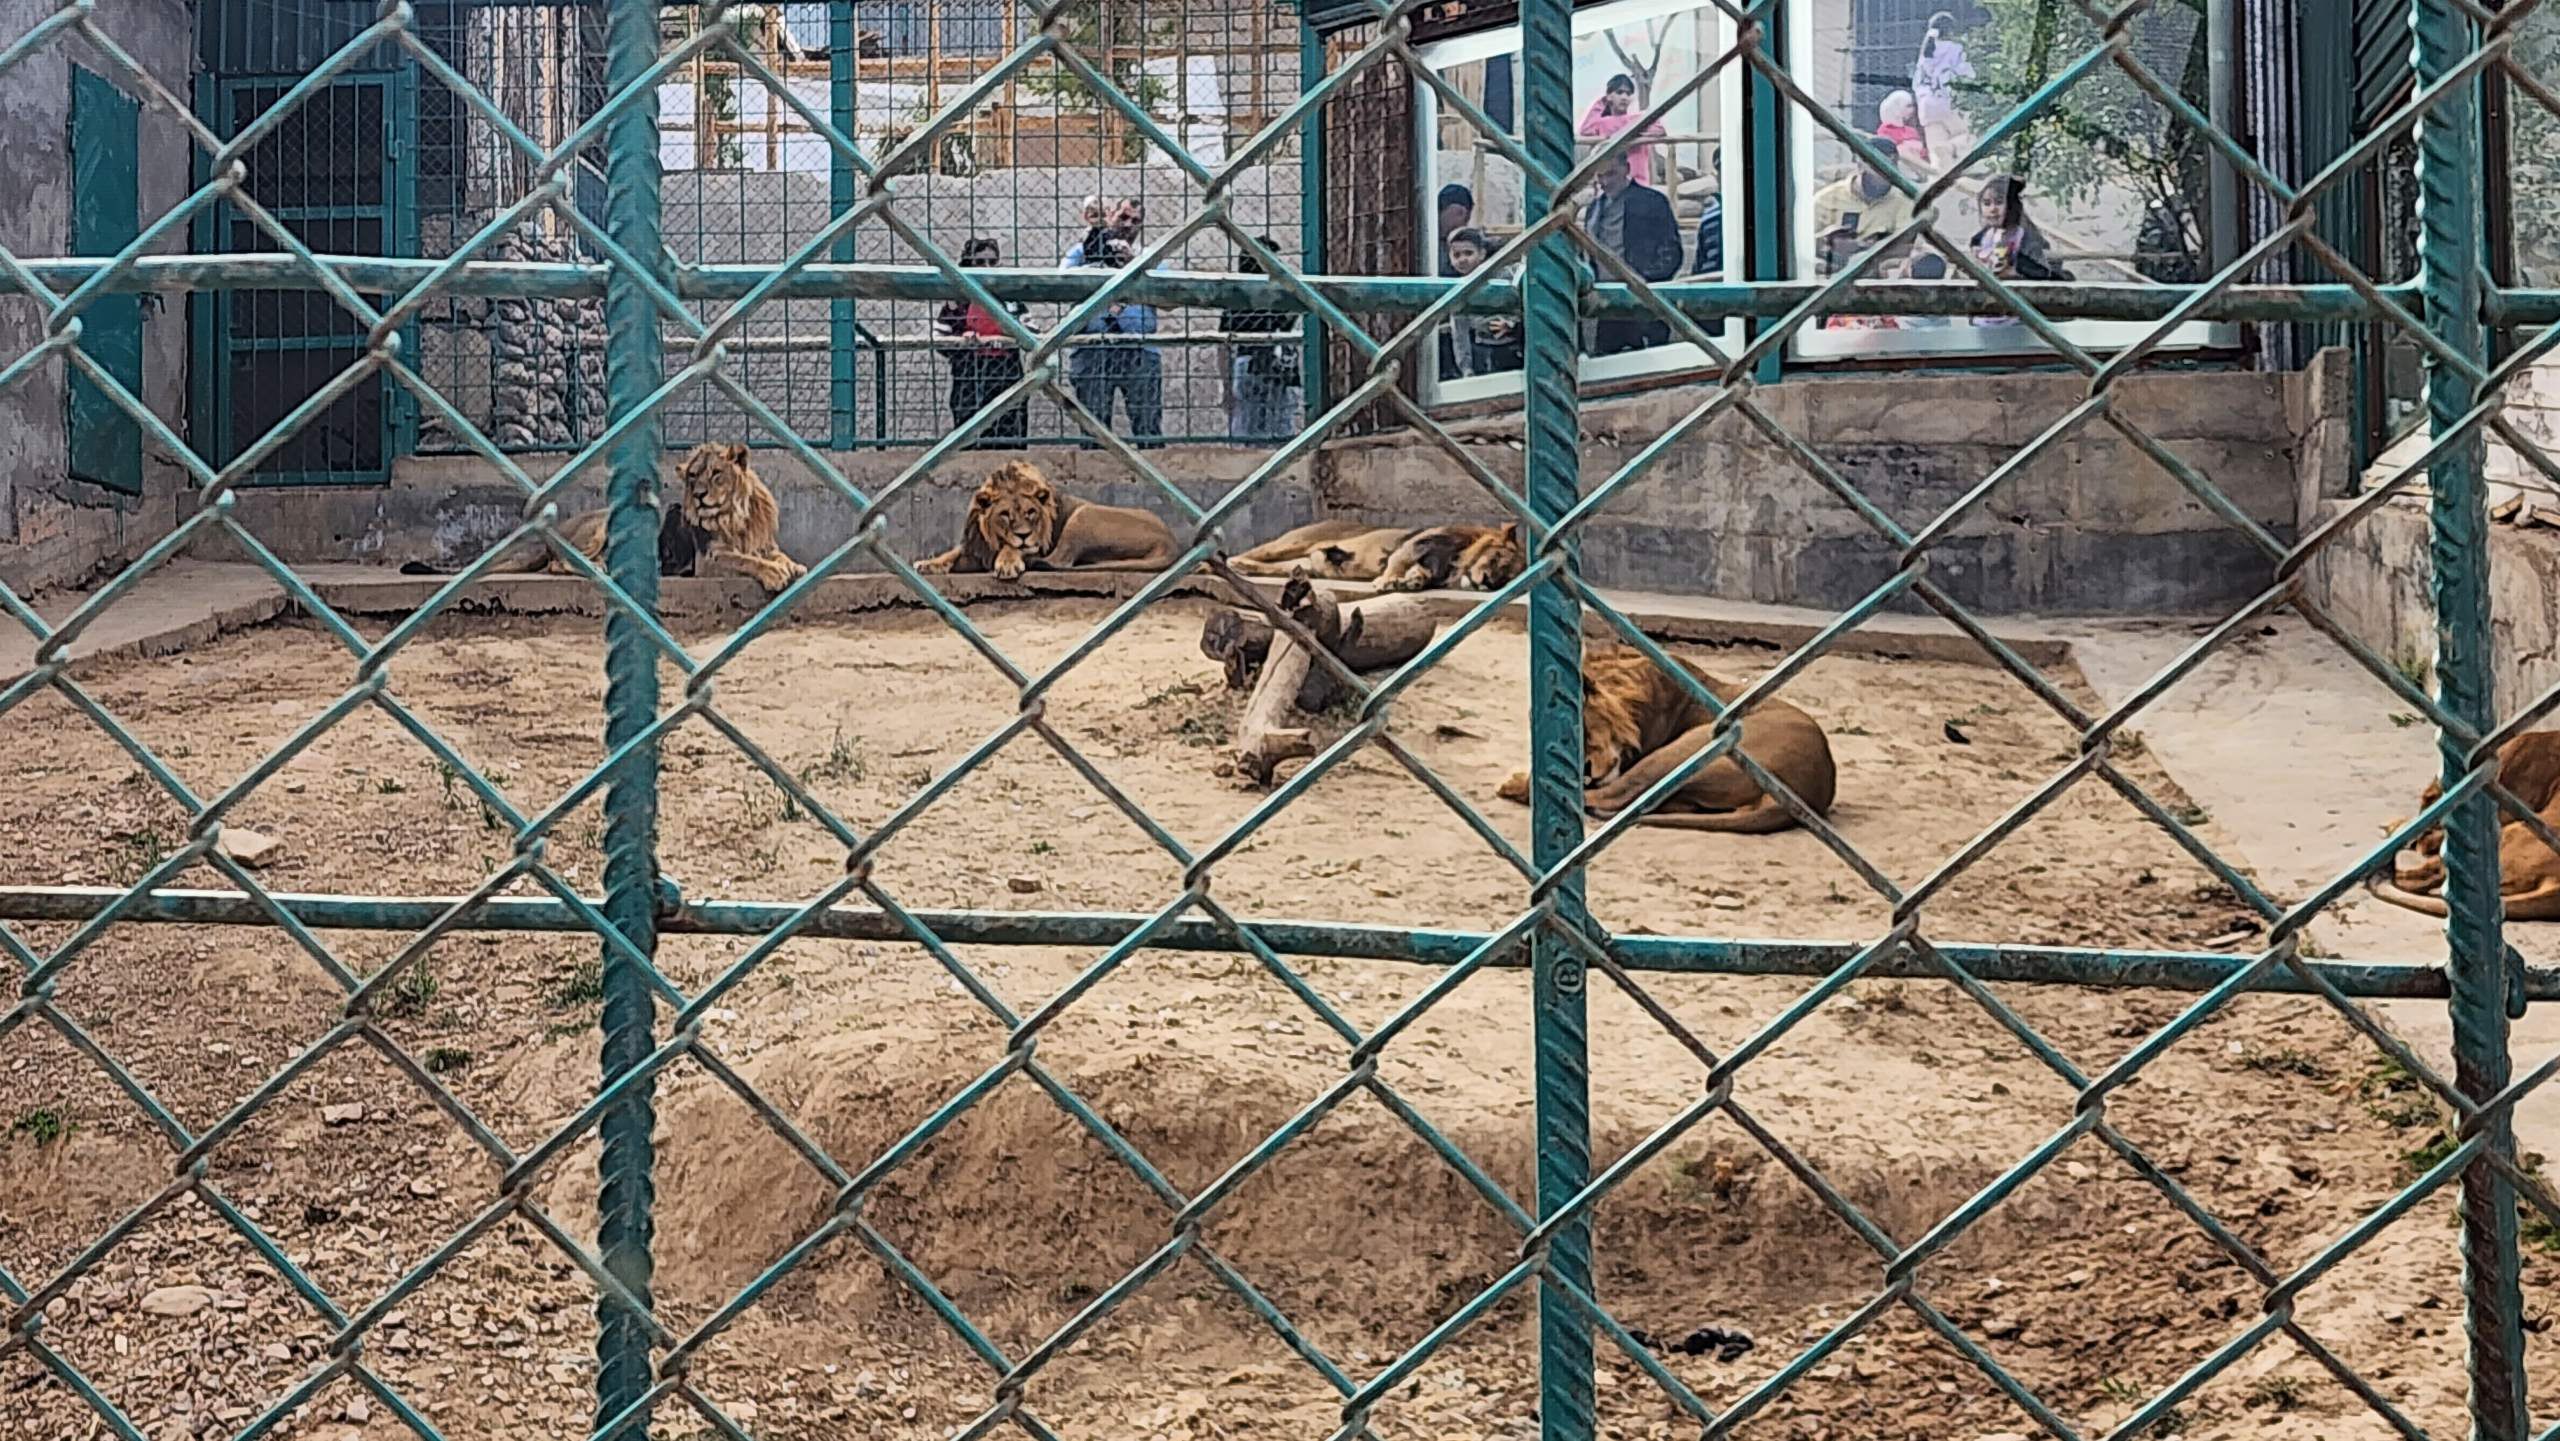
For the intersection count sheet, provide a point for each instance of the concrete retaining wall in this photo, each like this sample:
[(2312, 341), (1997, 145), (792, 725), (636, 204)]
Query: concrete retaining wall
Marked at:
[(2092, 527), (55, 531), (2374, 579)]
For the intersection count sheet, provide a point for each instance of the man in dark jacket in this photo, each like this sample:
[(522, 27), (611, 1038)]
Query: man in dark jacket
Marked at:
[(1634, 222)]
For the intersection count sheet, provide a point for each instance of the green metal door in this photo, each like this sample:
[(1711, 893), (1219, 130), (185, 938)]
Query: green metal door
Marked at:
[(106, 211), (331, 173)]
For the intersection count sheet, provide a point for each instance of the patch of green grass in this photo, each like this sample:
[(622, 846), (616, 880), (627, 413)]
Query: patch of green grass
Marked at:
[(2537, 1230), (445, 1060), (2275, 1393), (43, 1125), (390, 786), (412, 992), (579, 985), (1179, 690), (1043, 848), (2290, 1061), (843, 761), (2392, 1096), (2417, 670), (2429, 1153), (1210, 728), (142, 852)]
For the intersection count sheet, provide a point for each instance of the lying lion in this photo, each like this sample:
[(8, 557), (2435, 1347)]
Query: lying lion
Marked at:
[(1461, 557), (2528, 872), (1018, 521), (1639, 724), (724, 514)]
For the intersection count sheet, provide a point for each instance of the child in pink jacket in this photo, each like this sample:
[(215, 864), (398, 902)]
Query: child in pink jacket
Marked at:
[(1614, 111)]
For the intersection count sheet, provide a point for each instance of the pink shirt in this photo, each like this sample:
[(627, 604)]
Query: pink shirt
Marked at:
[(1598, 121)]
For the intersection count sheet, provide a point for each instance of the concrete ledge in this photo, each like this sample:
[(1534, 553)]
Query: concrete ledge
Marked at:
[(191, 603), (2091, 526)]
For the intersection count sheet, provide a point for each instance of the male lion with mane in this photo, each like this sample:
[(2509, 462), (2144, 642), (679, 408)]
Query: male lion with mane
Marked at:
[(1639, 724), (1396, 558), (723, 512), (1018, 521)]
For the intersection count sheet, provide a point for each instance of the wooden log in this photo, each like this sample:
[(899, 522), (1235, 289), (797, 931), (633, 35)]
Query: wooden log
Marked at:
[(1287, 685), (1269, 733), (1369, 635)]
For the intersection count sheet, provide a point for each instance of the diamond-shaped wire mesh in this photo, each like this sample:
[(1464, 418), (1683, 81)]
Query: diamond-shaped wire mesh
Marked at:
[(584, 199)]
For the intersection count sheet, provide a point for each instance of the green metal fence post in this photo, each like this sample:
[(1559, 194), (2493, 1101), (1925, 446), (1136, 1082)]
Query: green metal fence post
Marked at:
[(1552, 417), (633, 369), (843, 346), (1311, 209), (2449, 255), (1765, 185)]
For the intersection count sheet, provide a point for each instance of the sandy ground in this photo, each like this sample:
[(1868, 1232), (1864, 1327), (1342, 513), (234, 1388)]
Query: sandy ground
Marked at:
[(1907, 1097)]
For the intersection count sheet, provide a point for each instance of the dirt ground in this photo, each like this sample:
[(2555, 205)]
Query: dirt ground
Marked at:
[(1908, 1097)]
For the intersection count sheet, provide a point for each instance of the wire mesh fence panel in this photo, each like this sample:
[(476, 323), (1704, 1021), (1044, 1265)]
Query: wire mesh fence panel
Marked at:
[(745, 247)]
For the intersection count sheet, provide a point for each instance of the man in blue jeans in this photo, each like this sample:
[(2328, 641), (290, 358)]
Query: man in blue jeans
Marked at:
[(1134, 373), (1262, 381)]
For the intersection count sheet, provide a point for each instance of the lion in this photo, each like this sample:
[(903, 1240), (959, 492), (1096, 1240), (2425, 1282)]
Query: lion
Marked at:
[(724, 513), (734, 510), (1019, 521), (1465, 557), (2528, 871), (1638, 725)]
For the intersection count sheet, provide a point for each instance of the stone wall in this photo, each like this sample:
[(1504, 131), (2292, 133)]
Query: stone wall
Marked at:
[(55, 531), (2092, 528)]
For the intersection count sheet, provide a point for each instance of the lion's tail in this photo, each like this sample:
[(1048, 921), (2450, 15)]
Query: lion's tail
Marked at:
[(2382, 887), (2542, 903), (534, 558), (1760, 818)]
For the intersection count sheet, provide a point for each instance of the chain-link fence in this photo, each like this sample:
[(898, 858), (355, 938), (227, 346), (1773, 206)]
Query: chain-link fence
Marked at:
[(624, 259)]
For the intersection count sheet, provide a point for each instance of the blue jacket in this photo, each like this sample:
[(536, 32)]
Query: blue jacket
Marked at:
[(1132, 320)]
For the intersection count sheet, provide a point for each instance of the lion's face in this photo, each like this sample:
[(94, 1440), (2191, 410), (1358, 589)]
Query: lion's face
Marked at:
[(1016, 509), (1499, 563), (711, 476), (1612, 728)]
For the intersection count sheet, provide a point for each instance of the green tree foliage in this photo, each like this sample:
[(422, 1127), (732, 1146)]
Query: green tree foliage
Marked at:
[(2105, 131)]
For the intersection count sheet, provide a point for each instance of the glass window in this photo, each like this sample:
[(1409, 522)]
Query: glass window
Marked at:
[(2105, 185), (1672, 212)]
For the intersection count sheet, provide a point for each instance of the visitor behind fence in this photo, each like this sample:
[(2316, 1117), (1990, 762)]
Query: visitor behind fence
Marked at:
[(1940, 67), (1853, 214), (1127, 219), (1925, 265), (1457, 212), (1710, 253), (1134, 373), (1262, 380), (1633, 222), (1486, 344), (2009, 245), (1614, 111), (981, 372), (1091, 212), (1898, 120)]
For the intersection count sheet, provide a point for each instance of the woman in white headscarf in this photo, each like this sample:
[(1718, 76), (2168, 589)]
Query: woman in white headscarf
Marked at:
[(1941, 64)]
